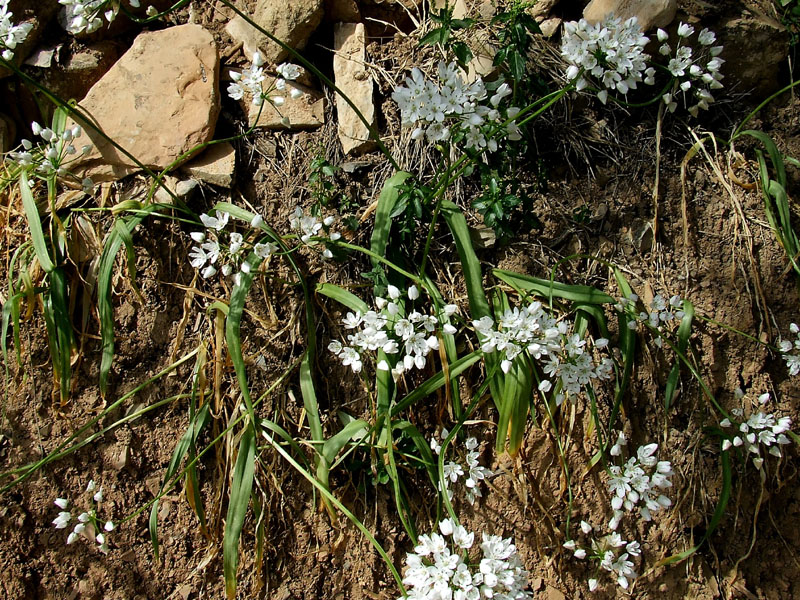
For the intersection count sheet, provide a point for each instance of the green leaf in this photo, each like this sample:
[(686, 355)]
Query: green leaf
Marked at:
[(546, 288), (470, 265), (684, 332), (516, 65), (241, 488), (34, 224), (434, 383), (383, 212), (423, 447), (462, 52), (435, 36), (342, 296)]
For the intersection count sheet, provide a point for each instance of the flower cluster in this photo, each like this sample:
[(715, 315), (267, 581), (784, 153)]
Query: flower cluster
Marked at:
[(694, 75), (661, 311), (471, 470), (440, 567), (212, 255), (612, 554), (565, 358), (251, 82), (638, 482), (450, 108), (406, 339), (308, 227), (51, 157), (760, 429), (88, 525), (10, 35), (608, 55), (532, 328), (786, 347)]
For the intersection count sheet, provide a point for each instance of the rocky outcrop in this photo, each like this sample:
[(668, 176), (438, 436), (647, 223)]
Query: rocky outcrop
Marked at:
[(158, 101), (353, 79), (650, 13), (214, 166), (292, 22)]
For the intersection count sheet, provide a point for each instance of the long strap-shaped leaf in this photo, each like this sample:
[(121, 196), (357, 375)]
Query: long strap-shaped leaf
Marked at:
[(383, 223), (238, 502)]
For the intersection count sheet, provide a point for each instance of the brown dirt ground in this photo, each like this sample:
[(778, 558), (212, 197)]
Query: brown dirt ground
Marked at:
[(600, 209)]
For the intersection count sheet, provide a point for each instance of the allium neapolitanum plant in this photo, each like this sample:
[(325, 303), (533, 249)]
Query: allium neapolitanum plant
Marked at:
[(543, 345)]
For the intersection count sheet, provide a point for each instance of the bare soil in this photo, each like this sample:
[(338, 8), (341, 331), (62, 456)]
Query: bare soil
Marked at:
[(733, 270)]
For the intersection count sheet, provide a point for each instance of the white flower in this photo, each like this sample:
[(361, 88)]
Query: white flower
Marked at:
[(265, 250), (62, 520), (288, 71), (61, 503), (685, 30), (217, 222)]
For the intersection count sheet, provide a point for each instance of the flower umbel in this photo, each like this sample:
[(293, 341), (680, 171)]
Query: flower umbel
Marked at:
[(441, 567), (11, 35)]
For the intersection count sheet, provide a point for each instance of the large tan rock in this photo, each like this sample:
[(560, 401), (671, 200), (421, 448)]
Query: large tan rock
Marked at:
[(650, 13), (307, 111), (158, 101), (291, 21), (214, 166), (353, 79)]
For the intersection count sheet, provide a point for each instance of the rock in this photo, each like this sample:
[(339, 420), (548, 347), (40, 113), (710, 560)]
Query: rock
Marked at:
[(651, 13), (459, 7), (8, 132), (180, 187), (38, 13), (305, 112), (755, 47), (482, 62), (342, 11), (542, 8), (351, 76), (291, 22), (158, 101), (214, 166), (551, 593), (42, 57), (550, 26), (84, 67)]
